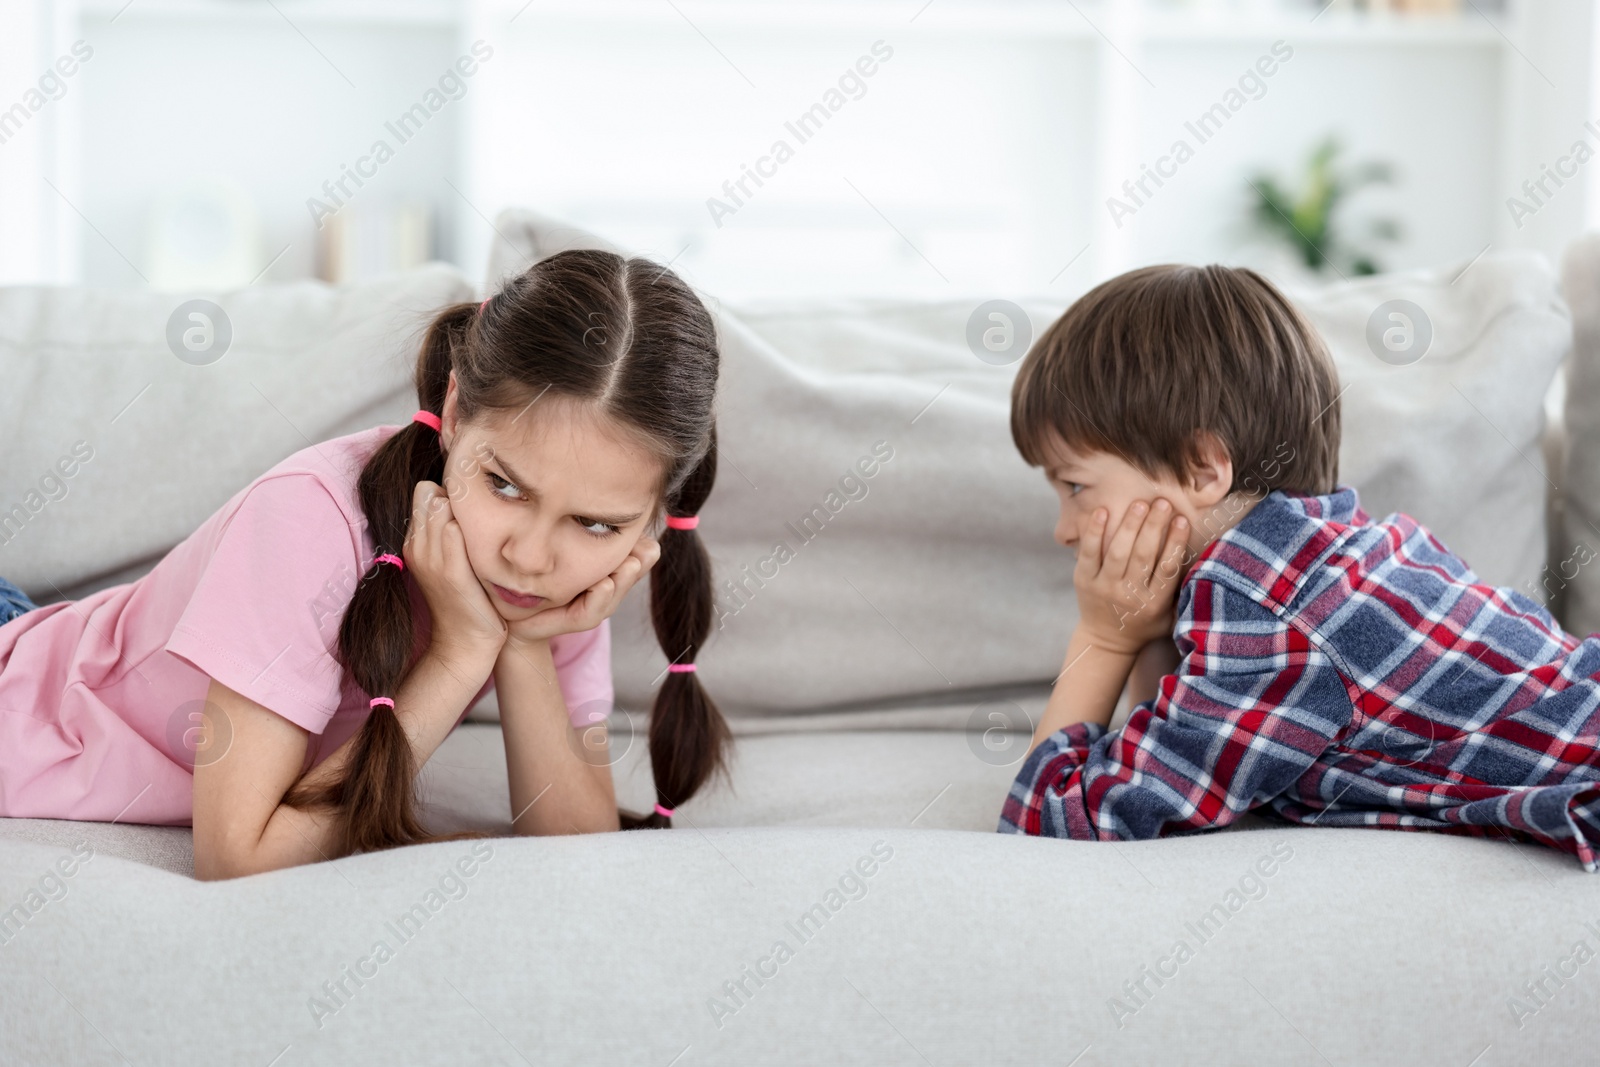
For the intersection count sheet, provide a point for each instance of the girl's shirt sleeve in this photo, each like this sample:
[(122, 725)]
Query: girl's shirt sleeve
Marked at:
[(583, 673), (264, 616), (1254, 703)]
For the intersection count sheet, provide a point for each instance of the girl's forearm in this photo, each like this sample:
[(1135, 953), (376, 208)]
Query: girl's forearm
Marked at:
[(428, 704), (554, 789), (1087, 689)]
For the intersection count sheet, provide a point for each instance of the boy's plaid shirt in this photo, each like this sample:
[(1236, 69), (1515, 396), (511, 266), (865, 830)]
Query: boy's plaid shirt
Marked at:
[(1342, 672)]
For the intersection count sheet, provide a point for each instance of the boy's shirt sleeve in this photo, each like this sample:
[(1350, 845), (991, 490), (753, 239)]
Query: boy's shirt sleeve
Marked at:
[(1252, 706)]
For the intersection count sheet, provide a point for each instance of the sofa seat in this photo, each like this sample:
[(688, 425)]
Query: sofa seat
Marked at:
[(905, 942)]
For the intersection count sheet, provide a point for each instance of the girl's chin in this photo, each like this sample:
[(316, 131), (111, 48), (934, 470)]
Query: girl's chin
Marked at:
[(516, 611)]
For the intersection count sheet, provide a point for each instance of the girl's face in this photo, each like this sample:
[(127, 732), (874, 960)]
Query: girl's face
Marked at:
[(549, 499)]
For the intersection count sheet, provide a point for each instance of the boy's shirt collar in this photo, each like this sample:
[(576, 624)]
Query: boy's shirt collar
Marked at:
[(1277, 522)]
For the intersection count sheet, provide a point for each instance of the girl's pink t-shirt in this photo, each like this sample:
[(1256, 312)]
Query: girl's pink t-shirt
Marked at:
[(100, 697)]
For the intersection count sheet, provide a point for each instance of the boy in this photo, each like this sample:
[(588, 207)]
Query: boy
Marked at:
[(1333, 669)]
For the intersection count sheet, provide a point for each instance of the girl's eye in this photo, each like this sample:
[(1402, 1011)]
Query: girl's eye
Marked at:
[(1073, 488), (605, 530), (495, 489)]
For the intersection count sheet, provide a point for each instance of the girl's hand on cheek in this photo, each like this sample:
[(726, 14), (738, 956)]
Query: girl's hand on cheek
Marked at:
[(435, 552), (592, 606), (1127, 581)]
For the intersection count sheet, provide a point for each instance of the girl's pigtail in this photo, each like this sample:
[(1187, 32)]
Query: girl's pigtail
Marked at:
[(376, 796), (688, 736)]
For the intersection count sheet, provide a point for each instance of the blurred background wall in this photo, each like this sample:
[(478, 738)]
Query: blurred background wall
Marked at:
[(930, 147)]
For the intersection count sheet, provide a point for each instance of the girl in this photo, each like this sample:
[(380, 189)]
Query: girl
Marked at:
[(279, 677)]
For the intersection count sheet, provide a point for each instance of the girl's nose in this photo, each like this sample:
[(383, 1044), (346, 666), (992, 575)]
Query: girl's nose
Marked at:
[(530, 554)]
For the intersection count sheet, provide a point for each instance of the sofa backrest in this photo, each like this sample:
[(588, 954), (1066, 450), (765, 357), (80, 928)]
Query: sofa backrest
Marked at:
[(1575, 553), (156, 443), (875, 536), (936, 576)]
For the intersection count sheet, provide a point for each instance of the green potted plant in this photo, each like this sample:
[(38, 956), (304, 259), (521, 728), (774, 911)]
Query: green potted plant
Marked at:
[(1308, 220)]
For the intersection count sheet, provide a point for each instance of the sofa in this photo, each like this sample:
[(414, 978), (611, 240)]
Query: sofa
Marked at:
[(842, 897)]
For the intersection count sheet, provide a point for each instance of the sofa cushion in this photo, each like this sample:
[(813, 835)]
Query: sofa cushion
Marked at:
[(873, 532), (814, 945), (168, 440), (933, 766), (1455, 438), (168, 848), (1574, 568), (940, 578), (892, 775), (889, 776)]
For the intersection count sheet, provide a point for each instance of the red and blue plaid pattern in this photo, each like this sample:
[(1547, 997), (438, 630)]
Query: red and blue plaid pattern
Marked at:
[(1340, 672)]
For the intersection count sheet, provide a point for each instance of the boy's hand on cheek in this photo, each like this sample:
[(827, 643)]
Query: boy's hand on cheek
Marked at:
[(1127, 579)]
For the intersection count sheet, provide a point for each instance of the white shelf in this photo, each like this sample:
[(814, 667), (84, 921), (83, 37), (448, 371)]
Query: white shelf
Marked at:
[(439, 13), (1104, 44), (1018, 18), (1331, 28)]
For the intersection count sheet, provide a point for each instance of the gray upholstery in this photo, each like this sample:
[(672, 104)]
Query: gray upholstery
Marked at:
[(1362, 947)]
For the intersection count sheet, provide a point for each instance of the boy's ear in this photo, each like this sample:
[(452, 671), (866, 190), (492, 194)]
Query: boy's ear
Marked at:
[(1211, 478)]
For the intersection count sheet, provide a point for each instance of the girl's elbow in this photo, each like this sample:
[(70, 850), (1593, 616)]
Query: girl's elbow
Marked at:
[(597, 821), (219, 865), (220, 862)]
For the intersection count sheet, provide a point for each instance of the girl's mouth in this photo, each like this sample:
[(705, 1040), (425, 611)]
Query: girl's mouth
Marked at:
[(516, 600)]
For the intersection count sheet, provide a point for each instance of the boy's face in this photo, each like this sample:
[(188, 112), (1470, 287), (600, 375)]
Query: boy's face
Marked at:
[(1084, 481)]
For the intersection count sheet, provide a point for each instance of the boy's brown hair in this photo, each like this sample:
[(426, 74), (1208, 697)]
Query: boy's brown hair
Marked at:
[(1143, 362)]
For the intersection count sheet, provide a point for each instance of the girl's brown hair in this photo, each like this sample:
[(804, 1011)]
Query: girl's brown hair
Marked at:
[(629, 339), (1142, 363)]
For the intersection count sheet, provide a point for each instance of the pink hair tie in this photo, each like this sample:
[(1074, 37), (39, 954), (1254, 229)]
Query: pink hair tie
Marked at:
[(683, 522), (665, 811), (380, 700), (678, 668), (389, 557), (427, 418), (484, 304)]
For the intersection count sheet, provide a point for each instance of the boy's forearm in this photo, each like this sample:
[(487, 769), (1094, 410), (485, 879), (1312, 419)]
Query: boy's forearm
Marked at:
[(1091, 680), (1155, 660), (554, 789)]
